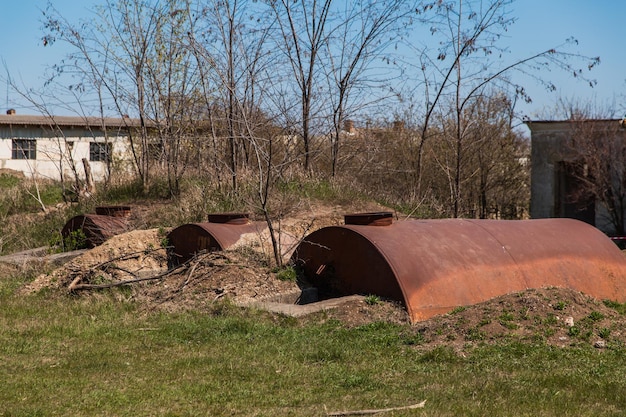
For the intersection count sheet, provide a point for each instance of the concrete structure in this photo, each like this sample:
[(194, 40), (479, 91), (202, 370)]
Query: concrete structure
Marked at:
[(553, 164), (48, 146)]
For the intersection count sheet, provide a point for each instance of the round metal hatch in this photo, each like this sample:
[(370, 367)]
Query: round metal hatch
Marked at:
[(381, 218), (114, 211), (229, 218)]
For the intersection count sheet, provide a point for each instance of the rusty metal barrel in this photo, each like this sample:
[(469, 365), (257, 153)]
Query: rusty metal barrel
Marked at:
[(433, 266), (95, 229), (221, 232)]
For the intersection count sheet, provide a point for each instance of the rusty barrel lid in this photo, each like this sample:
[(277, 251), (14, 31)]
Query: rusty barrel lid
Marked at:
[(229, 218), (114, 211), (380, 218)]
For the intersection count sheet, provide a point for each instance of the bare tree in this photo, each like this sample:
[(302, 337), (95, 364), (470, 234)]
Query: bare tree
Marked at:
[(74, 185), (364, 33), (238, 76), (129, 56), (171, 79), (596, 162), (489, 173), (232, 61), (135, 55), (468, 59), (303, 34), (218, 73)]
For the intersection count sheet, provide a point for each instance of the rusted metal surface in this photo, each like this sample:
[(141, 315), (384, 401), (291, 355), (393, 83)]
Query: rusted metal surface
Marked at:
[(381, 218), (224, 231), (114, 211), (229, 218), (95, 227), (435, 265)]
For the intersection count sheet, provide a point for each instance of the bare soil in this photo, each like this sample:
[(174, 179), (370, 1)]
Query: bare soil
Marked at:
[(560, 317)]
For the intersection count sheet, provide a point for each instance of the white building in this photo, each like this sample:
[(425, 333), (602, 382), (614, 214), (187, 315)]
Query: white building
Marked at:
[(49, 146)]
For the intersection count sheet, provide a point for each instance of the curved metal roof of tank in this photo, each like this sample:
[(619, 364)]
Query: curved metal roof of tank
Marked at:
[(434, 266)]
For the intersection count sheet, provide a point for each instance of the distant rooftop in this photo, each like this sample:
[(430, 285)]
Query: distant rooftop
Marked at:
[(548, 125), (13, 119)]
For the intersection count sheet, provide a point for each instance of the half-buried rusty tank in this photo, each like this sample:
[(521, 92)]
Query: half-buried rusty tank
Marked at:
[(433, 266), (91, 230), (222, 231)]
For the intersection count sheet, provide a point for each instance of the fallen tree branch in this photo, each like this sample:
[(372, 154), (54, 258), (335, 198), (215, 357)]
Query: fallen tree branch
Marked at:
[(74, 286), (118, 268), (103, 266), (188, 278), (376, 411), (194, 261), (126, 256), (75, 282)]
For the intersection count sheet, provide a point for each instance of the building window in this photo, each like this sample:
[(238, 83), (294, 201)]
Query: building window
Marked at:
[(24, 149), (99, 152)]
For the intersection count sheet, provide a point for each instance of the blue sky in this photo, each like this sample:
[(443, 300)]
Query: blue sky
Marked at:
[(597, 24), (599, 27)]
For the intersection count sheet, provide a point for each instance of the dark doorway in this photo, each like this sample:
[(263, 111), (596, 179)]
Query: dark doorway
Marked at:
[(572, 200)]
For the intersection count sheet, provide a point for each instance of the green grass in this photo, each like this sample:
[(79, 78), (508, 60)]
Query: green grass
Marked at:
[(286, 273), (329, 191), (19, 195), (62, 355), (23, 224), (372, 299), (9, 181), (619, 307)]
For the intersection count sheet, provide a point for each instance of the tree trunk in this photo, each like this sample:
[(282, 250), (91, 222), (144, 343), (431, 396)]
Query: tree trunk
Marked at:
[(90, 188)]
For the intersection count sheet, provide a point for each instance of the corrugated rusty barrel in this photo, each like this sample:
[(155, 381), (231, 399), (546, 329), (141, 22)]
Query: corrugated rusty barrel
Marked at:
[(435, 265), (96, 228), (222, 231)]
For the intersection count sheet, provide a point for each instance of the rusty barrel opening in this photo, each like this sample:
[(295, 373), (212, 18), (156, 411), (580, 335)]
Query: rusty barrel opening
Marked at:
[(433, 266), (322, 275)]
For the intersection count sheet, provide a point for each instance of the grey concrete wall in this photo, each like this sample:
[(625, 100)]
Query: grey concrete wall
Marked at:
[(547, 140)]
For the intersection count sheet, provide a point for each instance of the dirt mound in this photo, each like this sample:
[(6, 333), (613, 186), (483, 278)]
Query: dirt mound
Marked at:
[(557, 316), (136, 260), (132, 254)]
